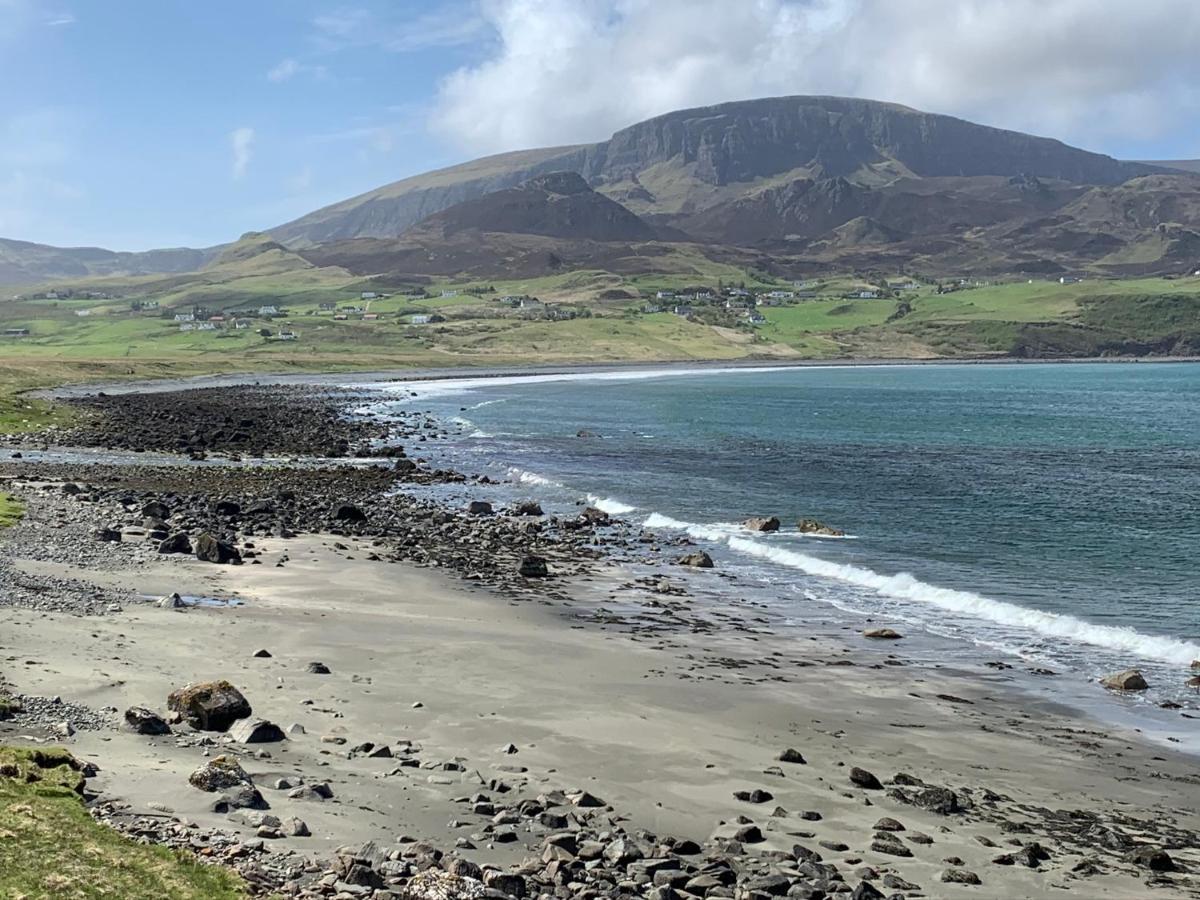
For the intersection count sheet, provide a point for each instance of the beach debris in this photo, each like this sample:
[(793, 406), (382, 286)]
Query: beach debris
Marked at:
[(812, 526), (761, 524), (146, 721), (697, 560), (211, 549), (882, 634), (209, 705), (1129, 680), (864, 779), (533, 567), (256, 731)]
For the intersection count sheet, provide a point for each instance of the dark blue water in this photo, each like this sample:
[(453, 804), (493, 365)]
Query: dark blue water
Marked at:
[(1049, 511)]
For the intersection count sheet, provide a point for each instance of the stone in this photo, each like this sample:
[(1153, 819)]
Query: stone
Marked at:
[(958, 876), (175, 543), (156, 509), (479, 508), (256, 731), (761, 524), (146, 721), (1153, 858), (882, 634), (317, 668), (526, 508), (262, 654), (864, 779), (348, 512), (812, 526), (792, 756), (295, 827), (866, 891), (107, 535), (888, 824), (209, 705), (218, 774), (533, 567), (1129, 680), (171, 601), (755, 796), (210, 549), (698, 560)]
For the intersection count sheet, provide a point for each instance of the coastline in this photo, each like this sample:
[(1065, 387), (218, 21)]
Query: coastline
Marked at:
[(663, 713)]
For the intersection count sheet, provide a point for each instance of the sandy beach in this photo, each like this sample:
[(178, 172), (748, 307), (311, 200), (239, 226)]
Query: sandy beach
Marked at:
[(967, 787)]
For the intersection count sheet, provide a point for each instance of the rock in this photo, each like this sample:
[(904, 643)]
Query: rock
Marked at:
[(593, 516), (888, 824), (479, 508), (294, 827), (755, 796), (526, 508), (317, 668), (940, 800), (219, 774), (256, 731), (959, 876), (882, 634), (749, 834), (698, 560), (812, 526), (70, 488), (792, 756), (435, 884), (759, 524), (146, 721), (156, 509), (1129, 680), (227, 508), (107, 535), (176, 543), (1153, 858), (262, 654), (866, 891), (209, 705), (210, 549), (533, 567), (348, 512), (864, 779), (171, 601)]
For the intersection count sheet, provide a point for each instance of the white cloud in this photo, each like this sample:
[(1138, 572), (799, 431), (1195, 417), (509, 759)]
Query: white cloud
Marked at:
[(289, 68), (564, 71), (61, 18), (449, 25), (241, 141)]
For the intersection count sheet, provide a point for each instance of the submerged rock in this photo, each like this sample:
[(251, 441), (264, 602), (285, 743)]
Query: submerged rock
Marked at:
[(812, 526)]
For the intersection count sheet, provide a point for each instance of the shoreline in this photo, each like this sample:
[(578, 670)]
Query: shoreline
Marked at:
[(663, 713)]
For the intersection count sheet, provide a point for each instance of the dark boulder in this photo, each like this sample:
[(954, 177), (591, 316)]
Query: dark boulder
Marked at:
[(175, 543), (533, 567), (209, 705), (210, 549), (146, 721), (348, 512)]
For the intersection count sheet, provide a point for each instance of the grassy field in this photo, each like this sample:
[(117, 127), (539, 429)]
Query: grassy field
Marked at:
[(51, 848)]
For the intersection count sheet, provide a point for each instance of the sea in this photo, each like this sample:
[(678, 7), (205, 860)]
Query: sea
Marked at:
[(1042, 515)]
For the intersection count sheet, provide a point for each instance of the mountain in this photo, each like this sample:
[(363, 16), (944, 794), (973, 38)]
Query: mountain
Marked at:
[(1181, 165), (22, 262), (682, 163)]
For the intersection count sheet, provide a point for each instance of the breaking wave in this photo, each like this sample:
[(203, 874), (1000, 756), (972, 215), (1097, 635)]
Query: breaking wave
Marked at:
[(610, 505), (524, 477)]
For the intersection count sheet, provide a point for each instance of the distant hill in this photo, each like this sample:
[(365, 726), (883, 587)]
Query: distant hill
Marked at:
[(1182, 165), (22, 262), (685, 162)]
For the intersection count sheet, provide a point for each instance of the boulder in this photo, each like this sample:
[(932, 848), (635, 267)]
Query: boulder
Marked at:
[(864, 779), (209, 705), (593, 516), (317, 668), (227, 508), (210, 549), (958, 876), (171, 601), (882, 634), (348, 512), (526, 508), (1129, 680), (812, 526), (1153, 858), (255, 731), (146, 721), (533, 567), (219, 774), (479, 508), (108, 535), (156, 509), (176, 543), (792, 756), (435, 884), (698, 560), (760, 524)]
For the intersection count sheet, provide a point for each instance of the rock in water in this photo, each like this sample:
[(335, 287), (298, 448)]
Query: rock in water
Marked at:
[(882, 634), (1129, 680), (812, 526), (699, 560), (209, 705), (533, 567), (210, 549), (255, 731), (761, 524), (146, 721)]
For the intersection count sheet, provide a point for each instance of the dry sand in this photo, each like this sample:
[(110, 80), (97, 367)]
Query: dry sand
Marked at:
[(663, 728)]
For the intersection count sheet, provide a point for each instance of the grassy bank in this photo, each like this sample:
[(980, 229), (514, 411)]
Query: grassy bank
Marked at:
[(51, 848)]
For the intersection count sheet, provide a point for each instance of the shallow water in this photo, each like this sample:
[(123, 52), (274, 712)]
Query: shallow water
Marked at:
[(1047, 512)]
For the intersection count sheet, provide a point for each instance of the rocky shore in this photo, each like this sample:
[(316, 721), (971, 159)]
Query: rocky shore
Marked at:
[(275, 655)]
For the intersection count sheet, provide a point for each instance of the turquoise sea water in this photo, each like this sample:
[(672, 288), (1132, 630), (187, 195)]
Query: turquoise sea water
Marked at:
[(1050, 512)]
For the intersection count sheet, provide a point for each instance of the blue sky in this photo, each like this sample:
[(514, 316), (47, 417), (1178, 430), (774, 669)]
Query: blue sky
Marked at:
[(146, 123)]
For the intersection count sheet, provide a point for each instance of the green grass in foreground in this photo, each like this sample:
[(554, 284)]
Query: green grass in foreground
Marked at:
[(51, 847), (12, 510)]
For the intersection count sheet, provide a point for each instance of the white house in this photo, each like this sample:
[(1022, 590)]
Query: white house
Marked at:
[(419, 320), (868, 295), (449, 293), (664, 295), (187, 326), (185, 317), (266, 311), (367, 295), (83, 313), (286, 336)]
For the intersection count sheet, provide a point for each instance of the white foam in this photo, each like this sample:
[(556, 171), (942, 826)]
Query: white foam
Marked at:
[(610, 505), (904, 586), (525, 477)]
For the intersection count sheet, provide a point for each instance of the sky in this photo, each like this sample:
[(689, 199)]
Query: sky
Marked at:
[(133, 124)]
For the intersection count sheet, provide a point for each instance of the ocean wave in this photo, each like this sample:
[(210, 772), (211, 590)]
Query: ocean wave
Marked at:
[(610, 505), (488, 403), (904, 586), (524, 477)]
